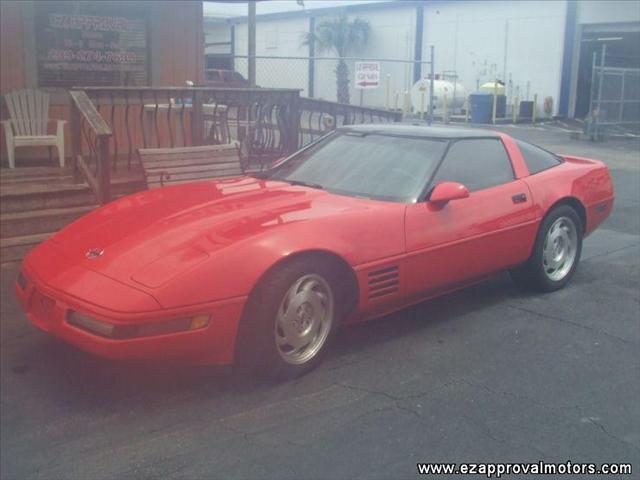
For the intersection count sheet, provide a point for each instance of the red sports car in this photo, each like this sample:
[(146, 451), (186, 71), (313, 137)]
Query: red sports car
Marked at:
[(261, 270)]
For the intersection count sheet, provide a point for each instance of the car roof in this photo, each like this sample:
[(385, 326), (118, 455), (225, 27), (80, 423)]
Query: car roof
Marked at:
[(420, 131)]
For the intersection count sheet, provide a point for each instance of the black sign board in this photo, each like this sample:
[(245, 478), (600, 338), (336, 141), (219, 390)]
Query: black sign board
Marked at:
[(80, 47)]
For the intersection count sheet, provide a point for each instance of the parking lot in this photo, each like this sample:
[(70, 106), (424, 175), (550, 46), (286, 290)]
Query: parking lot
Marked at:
[(491, 373)]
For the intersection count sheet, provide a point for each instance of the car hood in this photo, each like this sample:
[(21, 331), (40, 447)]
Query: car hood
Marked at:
[(152, 236)]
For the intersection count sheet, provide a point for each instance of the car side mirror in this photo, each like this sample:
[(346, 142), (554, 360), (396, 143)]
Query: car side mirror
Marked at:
[(447, 191)]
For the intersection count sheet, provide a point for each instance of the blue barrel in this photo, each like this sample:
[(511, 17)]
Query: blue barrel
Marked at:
[(481, 106)]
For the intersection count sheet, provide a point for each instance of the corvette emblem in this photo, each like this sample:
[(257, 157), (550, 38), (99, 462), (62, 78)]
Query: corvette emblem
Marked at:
[(94, 253)]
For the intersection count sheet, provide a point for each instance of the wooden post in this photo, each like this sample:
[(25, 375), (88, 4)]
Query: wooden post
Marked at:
[(76, 142), (104, 172), (533, 112), (197, 119)]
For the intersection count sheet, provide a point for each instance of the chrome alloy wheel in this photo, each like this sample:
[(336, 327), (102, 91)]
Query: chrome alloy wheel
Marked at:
[(560, 249), (304, 319)]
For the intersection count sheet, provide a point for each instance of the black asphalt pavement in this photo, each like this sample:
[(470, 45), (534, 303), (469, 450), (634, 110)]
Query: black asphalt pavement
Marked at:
[(491, 373)]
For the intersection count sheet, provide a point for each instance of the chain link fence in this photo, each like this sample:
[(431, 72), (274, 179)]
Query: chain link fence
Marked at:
[(316, 78), (615, 97)]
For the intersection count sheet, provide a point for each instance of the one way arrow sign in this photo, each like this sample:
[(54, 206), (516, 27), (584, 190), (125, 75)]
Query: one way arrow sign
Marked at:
[(367, 75)]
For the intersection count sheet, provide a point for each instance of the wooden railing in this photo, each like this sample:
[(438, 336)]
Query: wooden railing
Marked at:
[(114, 122), (91, 136), (264, 121)]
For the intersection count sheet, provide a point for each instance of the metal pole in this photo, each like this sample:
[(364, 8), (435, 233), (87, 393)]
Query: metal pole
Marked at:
[(387, 92), (506, 44), (593, 82), (620, 116), (252, 43), (312, 54), (431, 86), (602, 57), (417, 55)]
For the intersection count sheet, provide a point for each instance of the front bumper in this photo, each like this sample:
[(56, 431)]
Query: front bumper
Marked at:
[(47, 308)]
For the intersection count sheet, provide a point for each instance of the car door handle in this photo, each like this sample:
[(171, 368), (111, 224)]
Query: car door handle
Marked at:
[(519, 198)]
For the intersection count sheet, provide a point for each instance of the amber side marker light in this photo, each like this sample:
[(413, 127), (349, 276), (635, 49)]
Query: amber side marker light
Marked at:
[(200, 321), (121, 332)]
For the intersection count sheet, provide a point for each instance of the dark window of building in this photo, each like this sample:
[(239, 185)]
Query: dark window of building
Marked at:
[(536, 158), (216, 61), (91, 43), (476, 163)]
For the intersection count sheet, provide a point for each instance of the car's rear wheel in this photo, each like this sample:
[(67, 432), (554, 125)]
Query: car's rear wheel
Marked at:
[(289, 319), (556, 252)]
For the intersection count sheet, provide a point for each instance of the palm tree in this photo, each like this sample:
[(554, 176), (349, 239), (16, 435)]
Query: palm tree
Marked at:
[(342, 37)]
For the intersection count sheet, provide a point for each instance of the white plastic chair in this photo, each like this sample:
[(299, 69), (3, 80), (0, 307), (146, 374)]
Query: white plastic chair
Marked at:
[(29, 112)]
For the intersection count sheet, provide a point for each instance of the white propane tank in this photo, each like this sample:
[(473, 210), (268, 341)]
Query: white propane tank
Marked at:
[(455, 92), (490, 87)]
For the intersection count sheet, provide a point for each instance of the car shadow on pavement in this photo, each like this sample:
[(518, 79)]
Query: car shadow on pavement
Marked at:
[(426, 315), (87, 381)]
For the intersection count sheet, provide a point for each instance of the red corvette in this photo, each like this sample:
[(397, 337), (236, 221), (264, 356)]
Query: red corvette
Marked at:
[(262, 269)]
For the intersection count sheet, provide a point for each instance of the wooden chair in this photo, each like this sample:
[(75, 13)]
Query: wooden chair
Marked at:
[(166, 166), (29, 112)]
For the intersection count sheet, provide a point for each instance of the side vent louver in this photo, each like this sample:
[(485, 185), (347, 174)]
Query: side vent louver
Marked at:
[(385, 281)]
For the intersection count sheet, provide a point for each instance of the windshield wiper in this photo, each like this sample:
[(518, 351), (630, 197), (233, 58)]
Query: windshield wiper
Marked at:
[(305, 184)]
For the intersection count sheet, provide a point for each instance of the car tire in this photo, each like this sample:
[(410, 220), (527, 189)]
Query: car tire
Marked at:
[(288, 305), (556, 252)]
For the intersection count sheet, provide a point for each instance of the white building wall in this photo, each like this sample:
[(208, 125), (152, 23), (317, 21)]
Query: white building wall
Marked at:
[(216, 33), (280, 38), (471, 38), (392, 36)]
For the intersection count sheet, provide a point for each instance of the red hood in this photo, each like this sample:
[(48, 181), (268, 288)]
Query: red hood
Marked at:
[(171, 229)]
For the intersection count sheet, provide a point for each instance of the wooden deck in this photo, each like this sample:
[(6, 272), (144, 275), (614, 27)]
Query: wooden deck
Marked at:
[(37, 201)]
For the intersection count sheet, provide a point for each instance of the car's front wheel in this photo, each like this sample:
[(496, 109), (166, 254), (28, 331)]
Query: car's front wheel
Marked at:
[(289, 319), (556, 252)]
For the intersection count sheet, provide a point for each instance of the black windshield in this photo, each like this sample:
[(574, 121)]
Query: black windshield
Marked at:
[(377, 166)]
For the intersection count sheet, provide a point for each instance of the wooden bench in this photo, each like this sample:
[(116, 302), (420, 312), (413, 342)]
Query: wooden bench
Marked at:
[(167, 166)]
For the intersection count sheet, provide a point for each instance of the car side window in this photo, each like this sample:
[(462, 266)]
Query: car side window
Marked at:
[(476, 163), (536, 158)]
